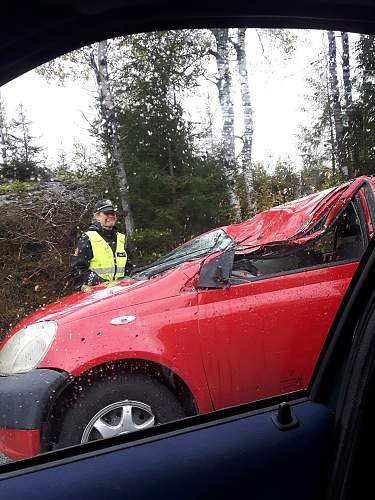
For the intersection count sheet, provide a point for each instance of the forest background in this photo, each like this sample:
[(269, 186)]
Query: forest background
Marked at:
[(171, 178)]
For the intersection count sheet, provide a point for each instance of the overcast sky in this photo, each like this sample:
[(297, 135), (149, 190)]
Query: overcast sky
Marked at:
[(60, 115)]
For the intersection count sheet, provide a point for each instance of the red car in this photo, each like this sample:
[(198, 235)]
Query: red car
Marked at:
[(219, 321)]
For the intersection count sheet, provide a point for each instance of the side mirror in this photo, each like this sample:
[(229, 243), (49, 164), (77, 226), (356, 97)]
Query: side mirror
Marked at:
[(216, 272)]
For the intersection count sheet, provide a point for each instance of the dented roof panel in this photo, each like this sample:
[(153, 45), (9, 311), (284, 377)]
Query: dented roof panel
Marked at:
[(294, 222)]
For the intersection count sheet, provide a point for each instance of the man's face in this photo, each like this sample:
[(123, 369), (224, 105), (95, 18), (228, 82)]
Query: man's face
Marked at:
[(106, 219)]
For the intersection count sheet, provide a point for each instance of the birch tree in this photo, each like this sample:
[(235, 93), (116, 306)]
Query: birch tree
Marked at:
[(346, 73), (317, 139), (224, 86), (348, 98), (79, 64), (99, 64), (336, 106), (247, 138)]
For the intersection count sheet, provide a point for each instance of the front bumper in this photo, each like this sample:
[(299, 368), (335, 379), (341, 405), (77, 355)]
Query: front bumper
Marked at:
[(25, 401)]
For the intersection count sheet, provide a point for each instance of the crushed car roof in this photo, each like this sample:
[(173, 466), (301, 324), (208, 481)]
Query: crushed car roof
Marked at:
[(298, 221)]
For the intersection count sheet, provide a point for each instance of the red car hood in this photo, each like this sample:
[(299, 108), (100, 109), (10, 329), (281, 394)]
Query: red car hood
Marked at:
[(292, 221), (76, 301), (111, 296)]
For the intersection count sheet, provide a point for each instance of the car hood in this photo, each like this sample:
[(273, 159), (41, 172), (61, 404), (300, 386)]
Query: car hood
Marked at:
[(295, 222), (113, 295)]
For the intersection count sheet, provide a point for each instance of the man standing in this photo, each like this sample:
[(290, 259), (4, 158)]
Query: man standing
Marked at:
[(102, 251)]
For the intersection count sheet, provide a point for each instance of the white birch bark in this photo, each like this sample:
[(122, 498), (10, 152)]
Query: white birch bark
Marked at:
[(239, 45), (346, 72), (336, 105), (331, 133), (348, 95), (110, 128), (3, 135), (224, 86)]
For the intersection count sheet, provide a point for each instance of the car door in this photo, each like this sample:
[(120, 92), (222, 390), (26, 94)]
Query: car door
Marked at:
[(221, 458), (256, 339), (262, 337)]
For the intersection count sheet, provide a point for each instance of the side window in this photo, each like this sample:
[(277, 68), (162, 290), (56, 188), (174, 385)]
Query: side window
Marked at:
[(348, 237), (343, 241)]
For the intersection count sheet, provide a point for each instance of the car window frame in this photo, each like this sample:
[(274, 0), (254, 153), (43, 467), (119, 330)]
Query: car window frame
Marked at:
[(234, 281), (362, 219), (369, 202)]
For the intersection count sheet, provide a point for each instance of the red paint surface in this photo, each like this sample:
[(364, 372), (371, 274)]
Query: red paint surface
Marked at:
[(263, 338), (19, 443)]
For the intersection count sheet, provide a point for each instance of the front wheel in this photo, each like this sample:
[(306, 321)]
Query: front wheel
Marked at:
[(109, 408)]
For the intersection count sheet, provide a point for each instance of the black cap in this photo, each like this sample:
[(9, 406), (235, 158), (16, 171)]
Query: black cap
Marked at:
[(104, 206)]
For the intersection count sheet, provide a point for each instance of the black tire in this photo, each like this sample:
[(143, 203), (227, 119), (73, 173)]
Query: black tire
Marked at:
[(102, 393)]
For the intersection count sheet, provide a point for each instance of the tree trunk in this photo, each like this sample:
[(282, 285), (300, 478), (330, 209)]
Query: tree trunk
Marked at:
[(110, 128), (224, 86), (239, 45), (348, 95), (332, 136), (337, 111), (346, 71)]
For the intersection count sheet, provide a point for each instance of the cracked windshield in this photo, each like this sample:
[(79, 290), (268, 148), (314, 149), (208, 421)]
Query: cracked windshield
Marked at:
[(181, 215)]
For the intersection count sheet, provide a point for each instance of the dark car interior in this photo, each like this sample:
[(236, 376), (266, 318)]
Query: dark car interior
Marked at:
[(343, 241)]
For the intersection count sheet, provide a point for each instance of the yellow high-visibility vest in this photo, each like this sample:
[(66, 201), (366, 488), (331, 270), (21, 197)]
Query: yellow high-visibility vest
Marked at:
[(103, 262)]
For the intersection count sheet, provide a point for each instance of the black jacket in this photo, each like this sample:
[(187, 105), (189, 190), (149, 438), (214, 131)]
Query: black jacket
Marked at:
[(80, 261)]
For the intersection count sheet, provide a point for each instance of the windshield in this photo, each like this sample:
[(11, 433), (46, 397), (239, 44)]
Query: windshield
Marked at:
[(213, 241)]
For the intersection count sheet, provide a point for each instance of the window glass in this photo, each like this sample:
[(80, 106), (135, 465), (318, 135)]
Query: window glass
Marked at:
[(133, 167), (214, 241), (343, 241)]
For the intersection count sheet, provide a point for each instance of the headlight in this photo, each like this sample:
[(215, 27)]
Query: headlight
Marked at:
[(26, 349)]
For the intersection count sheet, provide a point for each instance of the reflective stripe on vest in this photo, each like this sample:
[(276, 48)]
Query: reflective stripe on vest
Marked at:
[(103, 261)]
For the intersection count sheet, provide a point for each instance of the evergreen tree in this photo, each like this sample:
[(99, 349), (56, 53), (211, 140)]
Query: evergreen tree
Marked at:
[(361, 136), (317, 140), (175, 192), (25, 158), (275, 188)]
